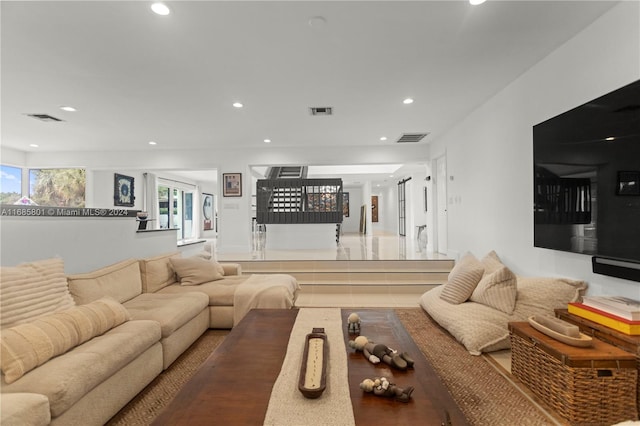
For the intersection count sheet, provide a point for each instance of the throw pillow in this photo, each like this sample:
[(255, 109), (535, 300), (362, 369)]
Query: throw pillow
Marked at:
[(31, 290), (26, 346), (210, 258), (463, 279), (497, 290), (491, 262), (194, 271)]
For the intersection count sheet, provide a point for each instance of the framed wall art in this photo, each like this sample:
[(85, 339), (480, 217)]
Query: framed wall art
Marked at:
[(207, 211), (123, 194), (345, 204), (628, 183), (232, 184)]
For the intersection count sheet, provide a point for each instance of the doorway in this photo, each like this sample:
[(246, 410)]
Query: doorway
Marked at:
[(441, 204)]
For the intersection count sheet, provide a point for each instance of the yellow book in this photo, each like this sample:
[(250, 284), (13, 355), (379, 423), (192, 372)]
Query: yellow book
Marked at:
[(608, 320)]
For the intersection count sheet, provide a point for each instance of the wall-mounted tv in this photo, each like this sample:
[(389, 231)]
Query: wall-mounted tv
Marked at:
[(587, 177)]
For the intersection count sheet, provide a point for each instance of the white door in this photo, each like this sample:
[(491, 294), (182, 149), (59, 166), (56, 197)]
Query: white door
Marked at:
[(441, 203)]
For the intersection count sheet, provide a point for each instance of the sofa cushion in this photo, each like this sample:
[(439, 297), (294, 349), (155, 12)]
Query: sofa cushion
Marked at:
[(156, 272), (462, 280), (67, 378), (538, 293), (220, 293), (498, 290), (120, 281), (171, 311), (26, 346), (20, 409), (32, 289), (194, 270)]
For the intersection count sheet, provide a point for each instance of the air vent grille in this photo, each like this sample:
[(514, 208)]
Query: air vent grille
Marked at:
[(411, 137), (321, 110), (44, 117)]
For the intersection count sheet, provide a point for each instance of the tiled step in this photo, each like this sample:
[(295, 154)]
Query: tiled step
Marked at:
[(364, 274)]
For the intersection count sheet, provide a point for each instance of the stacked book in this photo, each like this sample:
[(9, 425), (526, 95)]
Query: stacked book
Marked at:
[(619, 313)]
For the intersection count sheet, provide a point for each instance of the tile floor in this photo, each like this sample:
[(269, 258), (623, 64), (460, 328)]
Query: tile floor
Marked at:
[(354, 246)]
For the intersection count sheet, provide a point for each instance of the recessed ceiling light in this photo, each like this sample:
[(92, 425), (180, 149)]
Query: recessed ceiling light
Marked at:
[(267, 141), (476, 2), (34, 145), (407, 101), (610, 138), (384, 138), (68, 108), (160, 9), (237, 105), (153, 143)]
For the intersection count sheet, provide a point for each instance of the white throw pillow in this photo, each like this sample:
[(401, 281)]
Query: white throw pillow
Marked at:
[(194, 270), (497, 290), (463, 279)]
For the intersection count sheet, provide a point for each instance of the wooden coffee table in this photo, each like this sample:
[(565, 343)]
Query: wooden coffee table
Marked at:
[(233, 386)]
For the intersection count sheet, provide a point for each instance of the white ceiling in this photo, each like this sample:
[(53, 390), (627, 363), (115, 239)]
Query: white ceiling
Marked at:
[(136, 77)]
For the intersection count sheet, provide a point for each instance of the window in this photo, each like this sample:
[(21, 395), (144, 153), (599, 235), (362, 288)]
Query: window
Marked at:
[(47, 187), (11, 184), (57, 187), (176, 209)]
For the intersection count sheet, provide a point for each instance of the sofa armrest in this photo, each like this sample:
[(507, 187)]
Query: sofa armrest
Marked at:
[(19, 409), (232, 268)]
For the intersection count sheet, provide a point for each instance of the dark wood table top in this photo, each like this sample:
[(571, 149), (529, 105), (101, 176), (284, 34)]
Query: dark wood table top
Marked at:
[(233, 386)]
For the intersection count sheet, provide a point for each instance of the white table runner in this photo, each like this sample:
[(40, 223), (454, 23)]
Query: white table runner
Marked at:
[(287, 406)]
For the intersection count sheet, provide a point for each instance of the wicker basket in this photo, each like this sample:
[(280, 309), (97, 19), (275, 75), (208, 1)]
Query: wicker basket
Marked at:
[(602, 394), (623, 341)]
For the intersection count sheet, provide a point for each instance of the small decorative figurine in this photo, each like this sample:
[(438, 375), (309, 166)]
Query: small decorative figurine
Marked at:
[(354, 323), (379, 352), (380, 386)]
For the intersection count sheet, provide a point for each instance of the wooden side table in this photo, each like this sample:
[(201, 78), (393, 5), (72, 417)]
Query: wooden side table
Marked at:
[(623, 341), (594, 385)]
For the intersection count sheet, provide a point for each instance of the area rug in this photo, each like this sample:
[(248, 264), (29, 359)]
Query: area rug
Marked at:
[(484, 395)]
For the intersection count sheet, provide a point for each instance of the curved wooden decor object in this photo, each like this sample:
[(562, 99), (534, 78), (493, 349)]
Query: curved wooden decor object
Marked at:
[(313, 370)]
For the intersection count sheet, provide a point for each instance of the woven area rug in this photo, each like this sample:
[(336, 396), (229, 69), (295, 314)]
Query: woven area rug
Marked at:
[(484, 395)]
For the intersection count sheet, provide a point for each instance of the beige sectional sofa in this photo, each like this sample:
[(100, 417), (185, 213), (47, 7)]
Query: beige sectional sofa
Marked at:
[(77, 348)]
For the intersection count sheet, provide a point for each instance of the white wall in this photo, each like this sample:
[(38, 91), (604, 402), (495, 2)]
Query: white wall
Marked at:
[(352, 223), (490, 156), (387, 209), (85, 244)]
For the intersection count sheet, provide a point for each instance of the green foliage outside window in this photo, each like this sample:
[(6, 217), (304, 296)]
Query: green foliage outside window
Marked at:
[(58, 187)]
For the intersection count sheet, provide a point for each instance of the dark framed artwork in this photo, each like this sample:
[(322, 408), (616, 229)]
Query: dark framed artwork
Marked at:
[(628, 183), (207, 211), (425, 199), (232, 184), (345, 204), (123, 194)]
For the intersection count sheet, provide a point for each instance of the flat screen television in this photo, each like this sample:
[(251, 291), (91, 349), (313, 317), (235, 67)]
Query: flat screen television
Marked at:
[(587, 178)]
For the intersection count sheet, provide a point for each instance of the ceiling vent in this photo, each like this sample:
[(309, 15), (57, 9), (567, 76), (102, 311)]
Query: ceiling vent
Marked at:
[(44, 117), (321, 110), (411, 137)]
